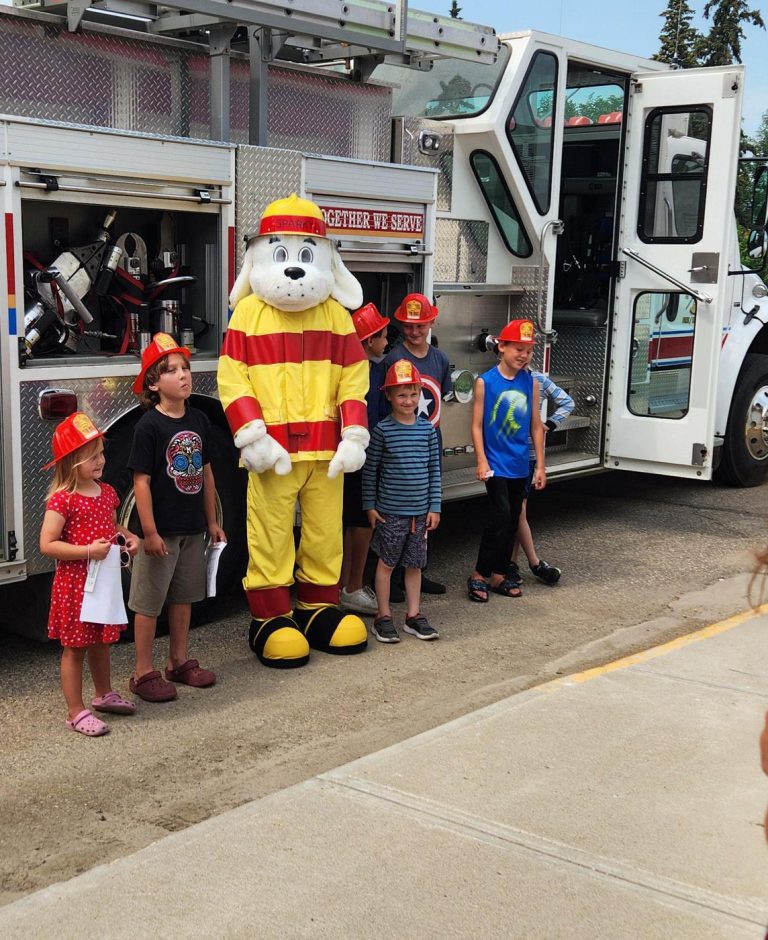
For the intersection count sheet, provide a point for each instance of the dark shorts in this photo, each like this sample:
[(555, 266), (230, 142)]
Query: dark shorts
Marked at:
[(531, 471), (395, 543), (353, 515)]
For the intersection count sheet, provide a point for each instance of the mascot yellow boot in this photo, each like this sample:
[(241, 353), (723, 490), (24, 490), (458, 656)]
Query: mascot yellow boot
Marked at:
[(292, 380)]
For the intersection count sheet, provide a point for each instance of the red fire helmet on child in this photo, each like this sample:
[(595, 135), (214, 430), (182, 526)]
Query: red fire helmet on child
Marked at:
[(415, 308), (368, 321), (521, 332), (162, 345), (72, 433), (402, 372)]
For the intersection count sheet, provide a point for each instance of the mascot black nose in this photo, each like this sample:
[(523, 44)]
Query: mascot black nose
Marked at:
[(294, 273)]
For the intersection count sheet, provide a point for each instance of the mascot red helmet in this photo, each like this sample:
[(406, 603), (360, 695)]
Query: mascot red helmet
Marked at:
[(368, 321), (162, 345), (415, 308), (71, 434), (518, 331), (402, 372)]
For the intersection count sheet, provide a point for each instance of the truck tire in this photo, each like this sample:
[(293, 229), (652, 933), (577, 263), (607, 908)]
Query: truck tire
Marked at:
[(744, 457), (231, 484)]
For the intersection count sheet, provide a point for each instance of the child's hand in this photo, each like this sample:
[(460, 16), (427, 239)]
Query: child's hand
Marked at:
[(433, 521), (483, 470), (99, 549), (374, 518), (539, 479), (131, 542), (154, 546), (216, 533)]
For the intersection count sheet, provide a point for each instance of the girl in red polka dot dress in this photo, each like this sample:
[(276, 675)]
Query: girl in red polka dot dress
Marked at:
[(79, 526)]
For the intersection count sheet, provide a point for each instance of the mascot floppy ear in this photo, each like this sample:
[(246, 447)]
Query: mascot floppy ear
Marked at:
[(346, 287), (242, 286)]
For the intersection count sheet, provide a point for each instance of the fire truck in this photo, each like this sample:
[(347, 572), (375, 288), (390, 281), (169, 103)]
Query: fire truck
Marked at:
[(524, 175)]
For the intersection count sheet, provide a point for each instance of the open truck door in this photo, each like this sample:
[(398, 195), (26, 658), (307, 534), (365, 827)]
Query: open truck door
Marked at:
[(672, 298)]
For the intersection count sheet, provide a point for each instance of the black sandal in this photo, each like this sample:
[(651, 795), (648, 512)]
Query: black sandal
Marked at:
[(477, 590), (506, 588)]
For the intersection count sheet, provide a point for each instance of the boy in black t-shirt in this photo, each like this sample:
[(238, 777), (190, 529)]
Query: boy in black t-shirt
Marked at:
[(176, 502)]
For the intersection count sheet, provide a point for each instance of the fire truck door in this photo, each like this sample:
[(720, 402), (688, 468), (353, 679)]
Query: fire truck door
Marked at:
[(673, 291)]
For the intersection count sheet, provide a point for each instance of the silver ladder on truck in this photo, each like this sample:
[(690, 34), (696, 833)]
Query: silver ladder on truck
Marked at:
[(366, 31)]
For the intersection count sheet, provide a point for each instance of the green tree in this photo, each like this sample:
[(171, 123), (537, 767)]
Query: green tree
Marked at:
[(455, 10), (722, 45), (680, 42)]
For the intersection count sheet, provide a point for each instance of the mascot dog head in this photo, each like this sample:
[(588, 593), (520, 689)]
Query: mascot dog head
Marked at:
[(292, 264)]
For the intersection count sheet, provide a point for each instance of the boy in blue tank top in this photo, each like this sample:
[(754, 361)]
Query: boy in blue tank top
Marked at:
[(505, 414)]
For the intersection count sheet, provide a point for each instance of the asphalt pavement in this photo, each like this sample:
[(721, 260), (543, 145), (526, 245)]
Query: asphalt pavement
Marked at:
[(625, 801)]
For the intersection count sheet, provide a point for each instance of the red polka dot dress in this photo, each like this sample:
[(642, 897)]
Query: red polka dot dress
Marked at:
[(86, 518)]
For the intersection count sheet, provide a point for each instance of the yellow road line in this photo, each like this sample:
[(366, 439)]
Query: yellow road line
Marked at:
[(655, 651)]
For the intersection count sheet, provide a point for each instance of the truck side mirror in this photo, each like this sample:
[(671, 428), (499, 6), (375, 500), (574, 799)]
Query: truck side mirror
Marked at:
[(757, 243), (760, 198)]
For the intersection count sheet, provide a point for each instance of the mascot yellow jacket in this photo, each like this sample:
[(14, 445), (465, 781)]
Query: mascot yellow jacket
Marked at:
[(304, 374)]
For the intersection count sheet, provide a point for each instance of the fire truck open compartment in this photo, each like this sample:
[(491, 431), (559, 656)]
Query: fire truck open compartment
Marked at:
[(156, 244)]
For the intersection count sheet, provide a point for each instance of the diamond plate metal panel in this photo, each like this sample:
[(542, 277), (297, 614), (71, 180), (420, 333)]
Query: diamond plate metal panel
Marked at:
[(106, 78), (317, 113), (262, 175), (104, 400), (461, 251), (408, 132), (580, 353)]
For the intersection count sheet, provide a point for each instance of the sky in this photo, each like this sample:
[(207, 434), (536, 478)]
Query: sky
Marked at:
[(632, 26)]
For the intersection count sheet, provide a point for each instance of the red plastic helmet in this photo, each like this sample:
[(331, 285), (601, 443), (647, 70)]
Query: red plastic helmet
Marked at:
[(162, 345), (402, 372), (71, 434), (368, 321), (415, 308), (521, 332)]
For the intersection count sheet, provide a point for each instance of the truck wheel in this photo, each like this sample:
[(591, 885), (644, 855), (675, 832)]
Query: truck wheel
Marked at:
[(231, 484), (744, 458)]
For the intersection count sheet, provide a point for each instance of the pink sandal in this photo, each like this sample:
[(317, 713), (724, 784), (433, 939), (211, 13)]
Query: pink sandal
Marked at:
[(88, 724), (113, 702)]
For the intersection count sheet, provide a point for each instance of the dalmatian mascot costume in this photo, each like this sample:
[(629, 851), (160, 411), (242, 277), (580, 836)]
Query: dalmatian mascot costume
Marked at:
[(292, 379)]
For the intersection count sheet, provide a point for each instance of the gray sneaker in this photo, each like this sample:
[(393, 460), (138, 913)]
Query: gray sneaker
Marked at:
[(420, 627), (384, 630), (361, 601)]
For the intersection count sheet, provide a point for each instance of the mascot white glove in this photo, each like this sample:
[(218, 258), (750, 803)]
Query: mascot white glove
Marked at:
[(259, 451), (350, 454)]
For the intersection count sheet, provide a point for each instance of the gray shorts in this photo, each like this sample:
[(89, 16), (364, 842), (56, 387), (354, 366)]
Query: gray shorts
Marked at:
[(175, 578), (395, 543)]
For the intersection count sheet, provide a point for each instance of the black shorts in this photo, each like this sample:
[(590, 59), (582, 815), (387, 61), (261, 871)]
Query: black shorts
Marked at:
[(352, 514)]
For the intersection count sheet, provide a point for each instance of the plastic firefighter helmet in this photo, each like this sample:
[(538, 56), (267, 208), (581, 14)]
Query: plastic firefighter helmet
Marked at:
[(402, 372), (162, 345), (368, 321), (415, 308), (521, 332), (292, 216), (71, 434)]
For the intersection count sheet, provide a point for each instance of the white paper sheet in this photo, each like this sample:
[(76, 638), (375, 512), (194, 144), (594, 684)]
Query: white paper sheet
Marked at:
[(214, 554), (104, 604)]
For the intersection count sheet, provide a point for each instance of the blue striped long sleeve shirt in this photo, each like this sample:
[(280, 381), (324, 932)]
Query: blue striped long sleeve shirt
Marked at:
[(562, 401), (401, 475)]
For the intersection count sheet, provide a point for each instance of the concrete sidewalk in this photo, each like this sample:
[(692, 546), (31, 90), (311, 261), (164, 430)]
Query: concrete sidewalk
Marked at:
[(622, 802)]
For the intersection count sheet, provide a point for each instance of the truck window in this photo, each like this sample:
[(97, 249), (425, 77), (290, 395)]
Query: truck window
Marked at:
[(451, 89), (499, 200), (674, 181), (663, 329), (531, 127)]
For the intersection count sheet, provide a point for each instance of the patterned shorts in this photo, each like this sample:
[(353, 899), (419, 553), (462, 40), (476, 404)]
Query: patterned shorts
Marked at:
[(395, 543)]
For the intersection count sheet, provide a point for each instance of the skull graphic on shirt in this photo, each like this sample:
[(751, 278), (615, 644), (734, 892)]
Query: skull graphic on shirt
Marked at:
[(185, 461)]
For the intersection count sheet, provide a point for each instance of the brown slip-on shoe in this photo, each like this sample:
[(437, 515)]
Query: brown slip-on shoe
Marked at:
[(153, 688), (190, 673)]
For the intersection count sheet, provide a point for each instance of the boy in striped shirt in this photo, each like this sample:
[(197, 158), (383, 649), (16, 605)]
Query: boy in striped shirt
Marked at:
[(402, 497)]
